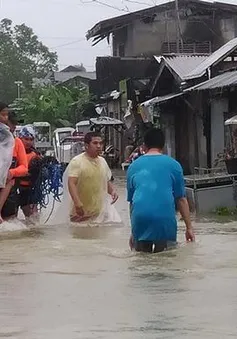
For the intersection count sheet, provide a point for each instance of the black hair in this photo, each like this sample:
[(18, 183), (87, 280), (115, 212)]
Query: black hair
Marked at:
[(3, 106), (154, 138), (12, 117), (90, 135)]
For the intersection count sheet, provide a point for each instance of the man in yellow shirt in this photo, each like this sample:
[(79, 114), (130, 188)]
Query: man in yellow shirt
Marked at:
[(89, 181)]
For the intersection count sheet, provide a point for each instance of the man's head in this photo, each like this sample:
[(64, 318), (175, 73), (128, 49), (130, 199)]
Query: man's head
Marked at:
[(27, 135), (93, 144), (3, 113), (12, 121), (154, 138)]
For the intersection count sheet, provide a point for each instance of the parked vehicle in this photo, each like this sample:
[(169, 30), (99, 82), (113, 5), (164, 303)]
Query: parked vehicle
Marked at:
[(83, 127), (62, 145), (43, 136), (103, 124)]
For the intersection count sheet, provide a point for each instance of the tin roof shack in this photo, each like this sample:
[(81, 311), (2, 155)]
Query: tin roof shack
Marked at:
[(213, 100), (193, 26), (218, 97), (182, 108), (111, 70)]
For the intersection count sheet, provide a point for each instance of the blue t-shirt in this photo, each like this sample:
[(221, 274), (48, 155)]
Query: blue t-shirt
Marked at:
[(154, 183)]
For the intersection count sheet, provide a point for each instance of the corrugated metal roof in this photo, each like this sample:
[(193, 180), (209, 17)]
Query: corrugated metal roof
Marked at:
[(161, 99), (217, 56), (182, 65), (224, 80)]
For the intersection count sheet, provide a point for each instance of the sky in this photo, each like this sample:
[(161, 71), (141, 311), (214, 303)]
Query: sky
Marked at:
[(62, 24)]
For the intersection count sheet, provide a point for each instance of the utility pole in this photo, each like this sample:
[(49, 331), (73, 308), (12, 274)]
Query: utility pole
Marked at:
[(19, 84), (179, 38)]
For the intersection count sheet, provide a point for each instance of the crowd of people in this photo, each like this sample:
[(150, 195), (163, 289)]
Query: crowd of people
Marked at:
[(155, 186), (16, 155)]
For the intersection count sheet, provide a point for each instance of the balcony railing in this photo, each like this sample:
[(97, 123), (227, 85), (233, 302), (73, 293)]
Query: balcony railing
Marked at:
[(187, 48)]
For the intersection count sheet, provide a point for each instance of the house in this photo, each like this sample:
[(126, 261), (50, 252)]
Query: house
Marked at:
[(73, 76), (193, 116), (186, 26)]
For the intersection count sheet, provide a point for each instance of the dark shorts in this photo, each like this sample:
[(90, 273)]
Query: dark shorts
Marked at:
[(153, 247), (10, 207), (26, 197)]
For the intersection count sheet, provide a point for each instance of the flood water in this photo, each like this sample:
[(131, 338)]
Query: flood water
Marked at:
[(60, 282)]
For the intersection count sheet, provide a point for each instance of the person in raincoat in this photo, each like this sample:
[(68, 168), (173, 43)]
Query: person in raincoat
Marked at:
[(6, 151), (18, 168)]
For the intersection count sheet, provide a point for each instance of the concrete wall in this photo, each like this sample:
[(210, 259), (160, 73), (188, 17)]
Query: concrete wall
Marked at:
[(148, 38), (228, 27), (218, 108)]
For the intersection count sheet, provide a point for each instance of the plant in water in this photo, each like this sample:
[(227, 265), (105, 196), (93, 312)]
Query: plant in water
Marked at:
[(225, 211)]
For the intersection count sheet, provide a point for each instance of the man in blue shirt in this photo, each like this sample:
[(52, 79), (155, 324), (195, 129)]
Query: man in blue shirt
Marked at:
[(155, 186)]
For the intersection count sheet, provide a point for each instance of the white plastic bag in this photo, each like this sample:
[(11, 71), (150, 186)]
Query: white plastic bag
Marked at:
[(108, 215)]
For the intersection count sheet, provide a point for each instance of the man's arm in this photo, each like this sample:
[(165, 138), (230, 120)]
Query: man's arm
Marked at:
[(130, 193), (72, 186), (183, 207), (110, 187), (182, 203), (112, 192)]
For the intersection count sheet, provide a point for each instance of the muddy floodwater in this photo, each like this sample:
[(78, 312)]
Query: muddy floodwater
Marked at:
[(71, 283)]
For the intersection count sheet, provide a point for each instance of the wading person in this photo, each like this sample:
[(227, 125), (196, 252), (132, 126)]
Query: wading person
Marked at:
[(18, 168), (89, 181), (27, 201), (6, 152), (155, 185)]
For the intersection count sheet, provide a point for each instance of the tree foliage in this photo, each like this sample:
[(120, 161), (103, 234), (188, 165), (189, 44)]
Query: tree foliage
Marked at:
[(54, 103), (22, 58)]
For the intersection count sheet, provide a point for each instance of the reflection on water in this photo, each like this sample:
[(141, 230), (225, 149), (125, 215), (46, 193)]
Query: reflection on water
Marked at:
[(70, 282)]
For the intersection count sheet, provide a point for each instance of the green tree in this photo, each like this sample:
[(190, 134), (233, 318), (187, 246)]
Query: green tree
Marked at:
[(54, 103), (22, 58)]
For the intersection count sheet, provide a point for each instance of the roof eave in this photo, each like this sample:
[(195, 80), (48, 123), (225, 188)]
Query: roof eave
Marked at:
[(94, 31)]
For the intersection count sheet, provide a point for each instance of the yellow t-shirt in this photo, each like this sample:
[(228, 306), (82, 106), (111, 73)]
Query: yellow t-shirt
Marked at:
[(93, 176)]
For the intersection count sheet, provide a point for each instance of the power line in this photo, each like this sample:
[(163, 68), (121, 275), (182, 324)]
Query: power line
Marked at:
[(139, 2), (105, 4), (59, 37), (55, 2), (69, 43)]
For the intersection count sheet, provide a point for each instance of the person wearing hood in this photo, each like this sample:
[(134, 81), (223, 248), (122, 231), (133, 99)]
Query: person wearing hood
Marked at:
[(27, 201)]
